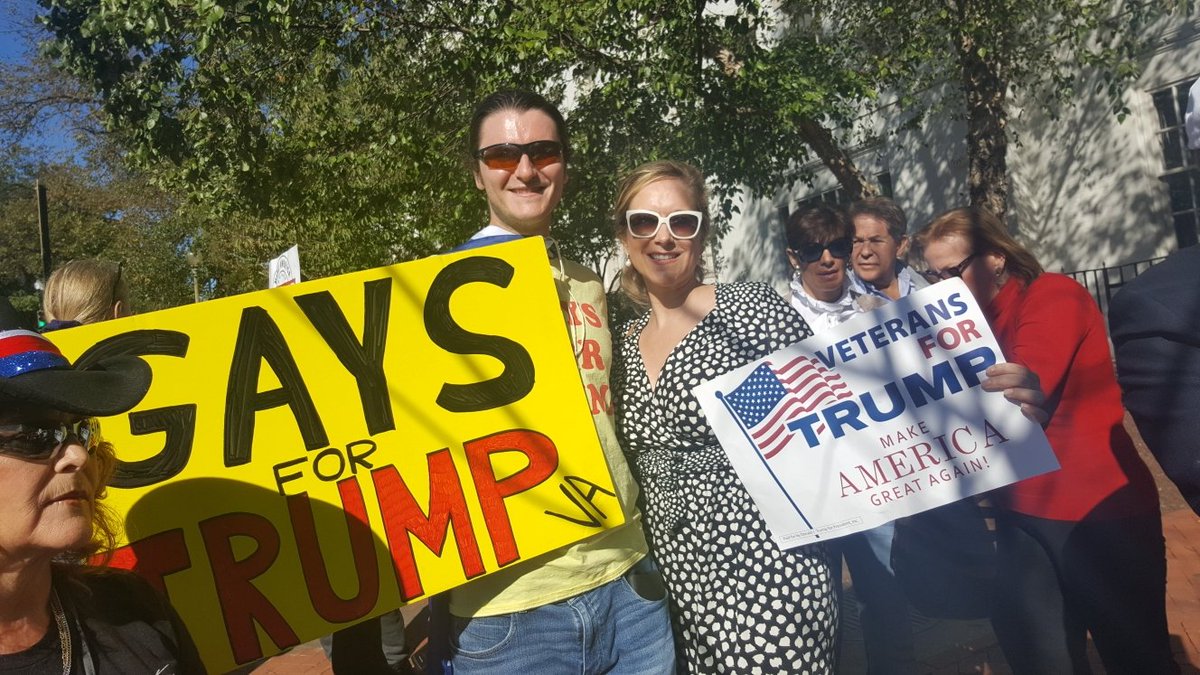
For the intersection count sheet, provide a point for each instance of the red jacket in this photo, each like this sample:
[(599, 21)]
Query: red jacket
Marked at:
[(1053, 327)]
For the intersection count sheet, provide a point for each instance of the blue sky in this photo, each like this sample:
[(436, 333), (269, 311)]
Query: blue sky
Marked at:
[(17, 32), (16, 15)]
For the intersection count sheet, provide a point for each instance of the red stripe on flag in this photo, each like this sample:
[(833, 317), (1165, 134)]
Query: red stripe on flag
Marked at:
[(784, 409), (768, 454), (19, 344), (809, 374), (792, 363), (821, 398), (817, 391), (775, 431)]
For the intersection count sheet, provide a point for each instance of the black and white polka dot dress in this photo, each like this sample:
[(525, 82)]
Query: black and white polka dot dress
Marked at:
[(739, 603)]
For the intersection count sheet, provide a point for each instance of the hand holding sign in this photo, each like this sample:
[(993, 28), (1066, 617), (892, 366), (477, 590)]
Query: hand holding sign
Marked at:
[(320, 453), (883, 416), (1020, 386)]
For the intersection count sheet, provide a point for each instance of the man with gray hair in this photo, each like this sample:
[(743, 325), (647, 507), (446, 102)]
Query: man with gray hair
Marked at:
[(880, 241)]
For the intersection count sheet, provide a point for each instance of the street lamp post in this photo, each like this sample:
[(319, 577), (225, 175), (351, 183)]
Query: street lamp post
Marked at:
[(194, 260)]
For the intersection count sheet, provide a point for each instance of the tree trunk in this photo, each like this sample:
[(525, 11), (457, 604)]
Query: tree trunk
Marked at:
[(816, 136), (985, 90), (847, 173)]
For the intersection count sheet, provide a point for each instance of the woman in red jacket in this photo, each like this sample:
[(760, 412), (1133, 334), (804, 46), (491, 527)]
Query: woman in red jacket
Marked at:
[(1080, 549)]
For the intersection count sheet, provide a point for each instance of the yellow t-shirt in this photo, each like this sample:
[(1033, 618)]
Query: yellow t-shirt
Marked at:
[(582, 566)]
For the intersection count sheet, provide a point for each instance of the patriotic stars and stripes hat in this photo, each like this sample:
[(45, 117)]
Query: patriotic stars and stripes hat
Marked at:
[(35, 374)]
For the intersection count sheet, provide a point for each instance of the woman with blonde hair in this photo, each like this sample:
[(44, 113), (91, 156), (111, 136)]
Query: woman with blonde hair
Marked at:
[(57, 615), (85, 291), (1080, 550), (739, 602)]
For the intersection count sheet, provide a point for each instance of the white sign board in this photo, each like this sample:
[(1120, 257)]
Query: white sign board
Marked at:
[(878, 418), (285, 269)]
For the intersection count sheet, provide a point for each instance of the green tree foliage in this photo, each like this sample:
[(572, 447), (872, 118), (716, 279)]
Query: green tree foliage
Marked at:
[(96, 206), (110, 216), (340, 126)]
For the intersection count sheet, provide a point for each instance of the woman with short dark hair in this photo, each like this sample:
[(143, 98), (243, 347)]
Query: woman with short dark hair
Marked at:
[(819, 247)]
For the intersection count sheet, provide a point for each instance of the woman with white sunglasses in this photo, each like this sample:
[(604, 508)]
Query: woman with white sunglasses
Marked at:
[(739, 603)]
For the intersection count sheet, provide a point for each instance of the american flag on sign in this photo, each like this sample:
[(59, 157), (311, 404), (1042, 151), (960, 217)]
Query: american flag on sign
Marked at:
[(769, 397)]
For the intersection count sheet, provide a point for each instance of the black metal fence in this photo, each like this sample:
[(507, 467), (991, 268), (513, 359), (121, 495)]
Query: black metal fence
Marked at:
[(1102, 282)]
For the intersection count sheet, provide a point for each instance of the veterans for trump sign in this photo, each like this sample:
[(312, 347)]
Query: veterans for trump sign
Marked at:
[(320, 453), (879, 418)]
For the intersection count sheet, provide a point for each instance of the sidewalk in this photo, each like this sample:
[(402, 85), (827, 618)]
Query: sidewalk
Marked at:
[(953, 647)]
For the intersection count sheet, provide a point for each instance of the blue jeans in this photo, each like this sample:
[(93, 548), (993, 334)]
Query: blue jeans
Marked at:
[(609, 629)]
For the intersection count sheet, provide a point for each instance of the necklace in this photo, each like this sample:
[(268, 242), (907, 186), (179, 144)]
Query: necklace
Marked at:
[(64, 633)]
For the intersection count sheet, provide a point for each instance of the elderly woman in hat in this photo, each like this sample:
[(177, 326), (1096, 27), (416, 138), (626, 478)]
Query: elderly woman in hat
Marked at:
[(56, 614)]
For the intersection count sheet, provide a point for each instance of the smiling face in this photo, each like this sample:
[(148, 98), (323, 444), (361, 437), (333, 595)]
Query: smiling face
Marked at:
[(521, 200), (875, 251), (46, 506), (982, 275), (667, 265)]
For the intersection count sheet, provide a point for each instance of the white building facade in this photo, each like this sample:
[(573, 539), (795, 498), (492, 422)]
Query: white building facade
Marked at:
[(1087, 190)]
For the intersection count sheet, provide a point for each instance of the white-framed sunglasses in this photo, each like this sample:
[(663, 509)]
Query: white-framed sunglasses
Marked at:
[(644, 224)]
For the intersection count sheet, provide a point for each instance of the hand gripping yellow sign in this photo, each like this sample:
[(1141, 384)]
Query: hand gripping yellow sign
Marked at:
[(314, 455)]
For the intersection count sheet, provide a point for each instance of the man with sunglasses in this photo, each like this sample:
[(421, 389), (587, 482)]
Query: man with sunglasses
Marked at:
[(820, 242), (597, 606)]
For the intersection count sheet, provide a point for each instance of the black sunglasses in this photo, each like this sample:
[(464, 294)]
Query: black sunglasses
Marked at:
[(25, 441), (950, 272), (507, 156), (812, 251)]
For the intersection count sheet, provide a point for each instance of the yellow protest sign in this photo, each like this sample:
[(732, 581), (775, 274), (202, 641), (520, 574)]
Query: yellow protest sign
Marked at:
[(316, 454)]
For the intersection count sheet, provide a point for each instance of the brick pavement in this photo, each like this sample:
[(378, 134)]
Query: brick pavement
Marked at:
[(1182, 529), (954, 647)]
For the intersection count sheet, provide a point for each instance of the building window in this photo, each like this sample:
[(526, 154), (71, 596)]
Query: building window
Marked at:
[(1181, 167)]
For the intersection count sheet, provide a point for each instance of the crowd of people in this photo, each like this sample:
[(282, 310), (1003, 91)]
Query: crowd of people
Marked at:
[(693, 582)]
